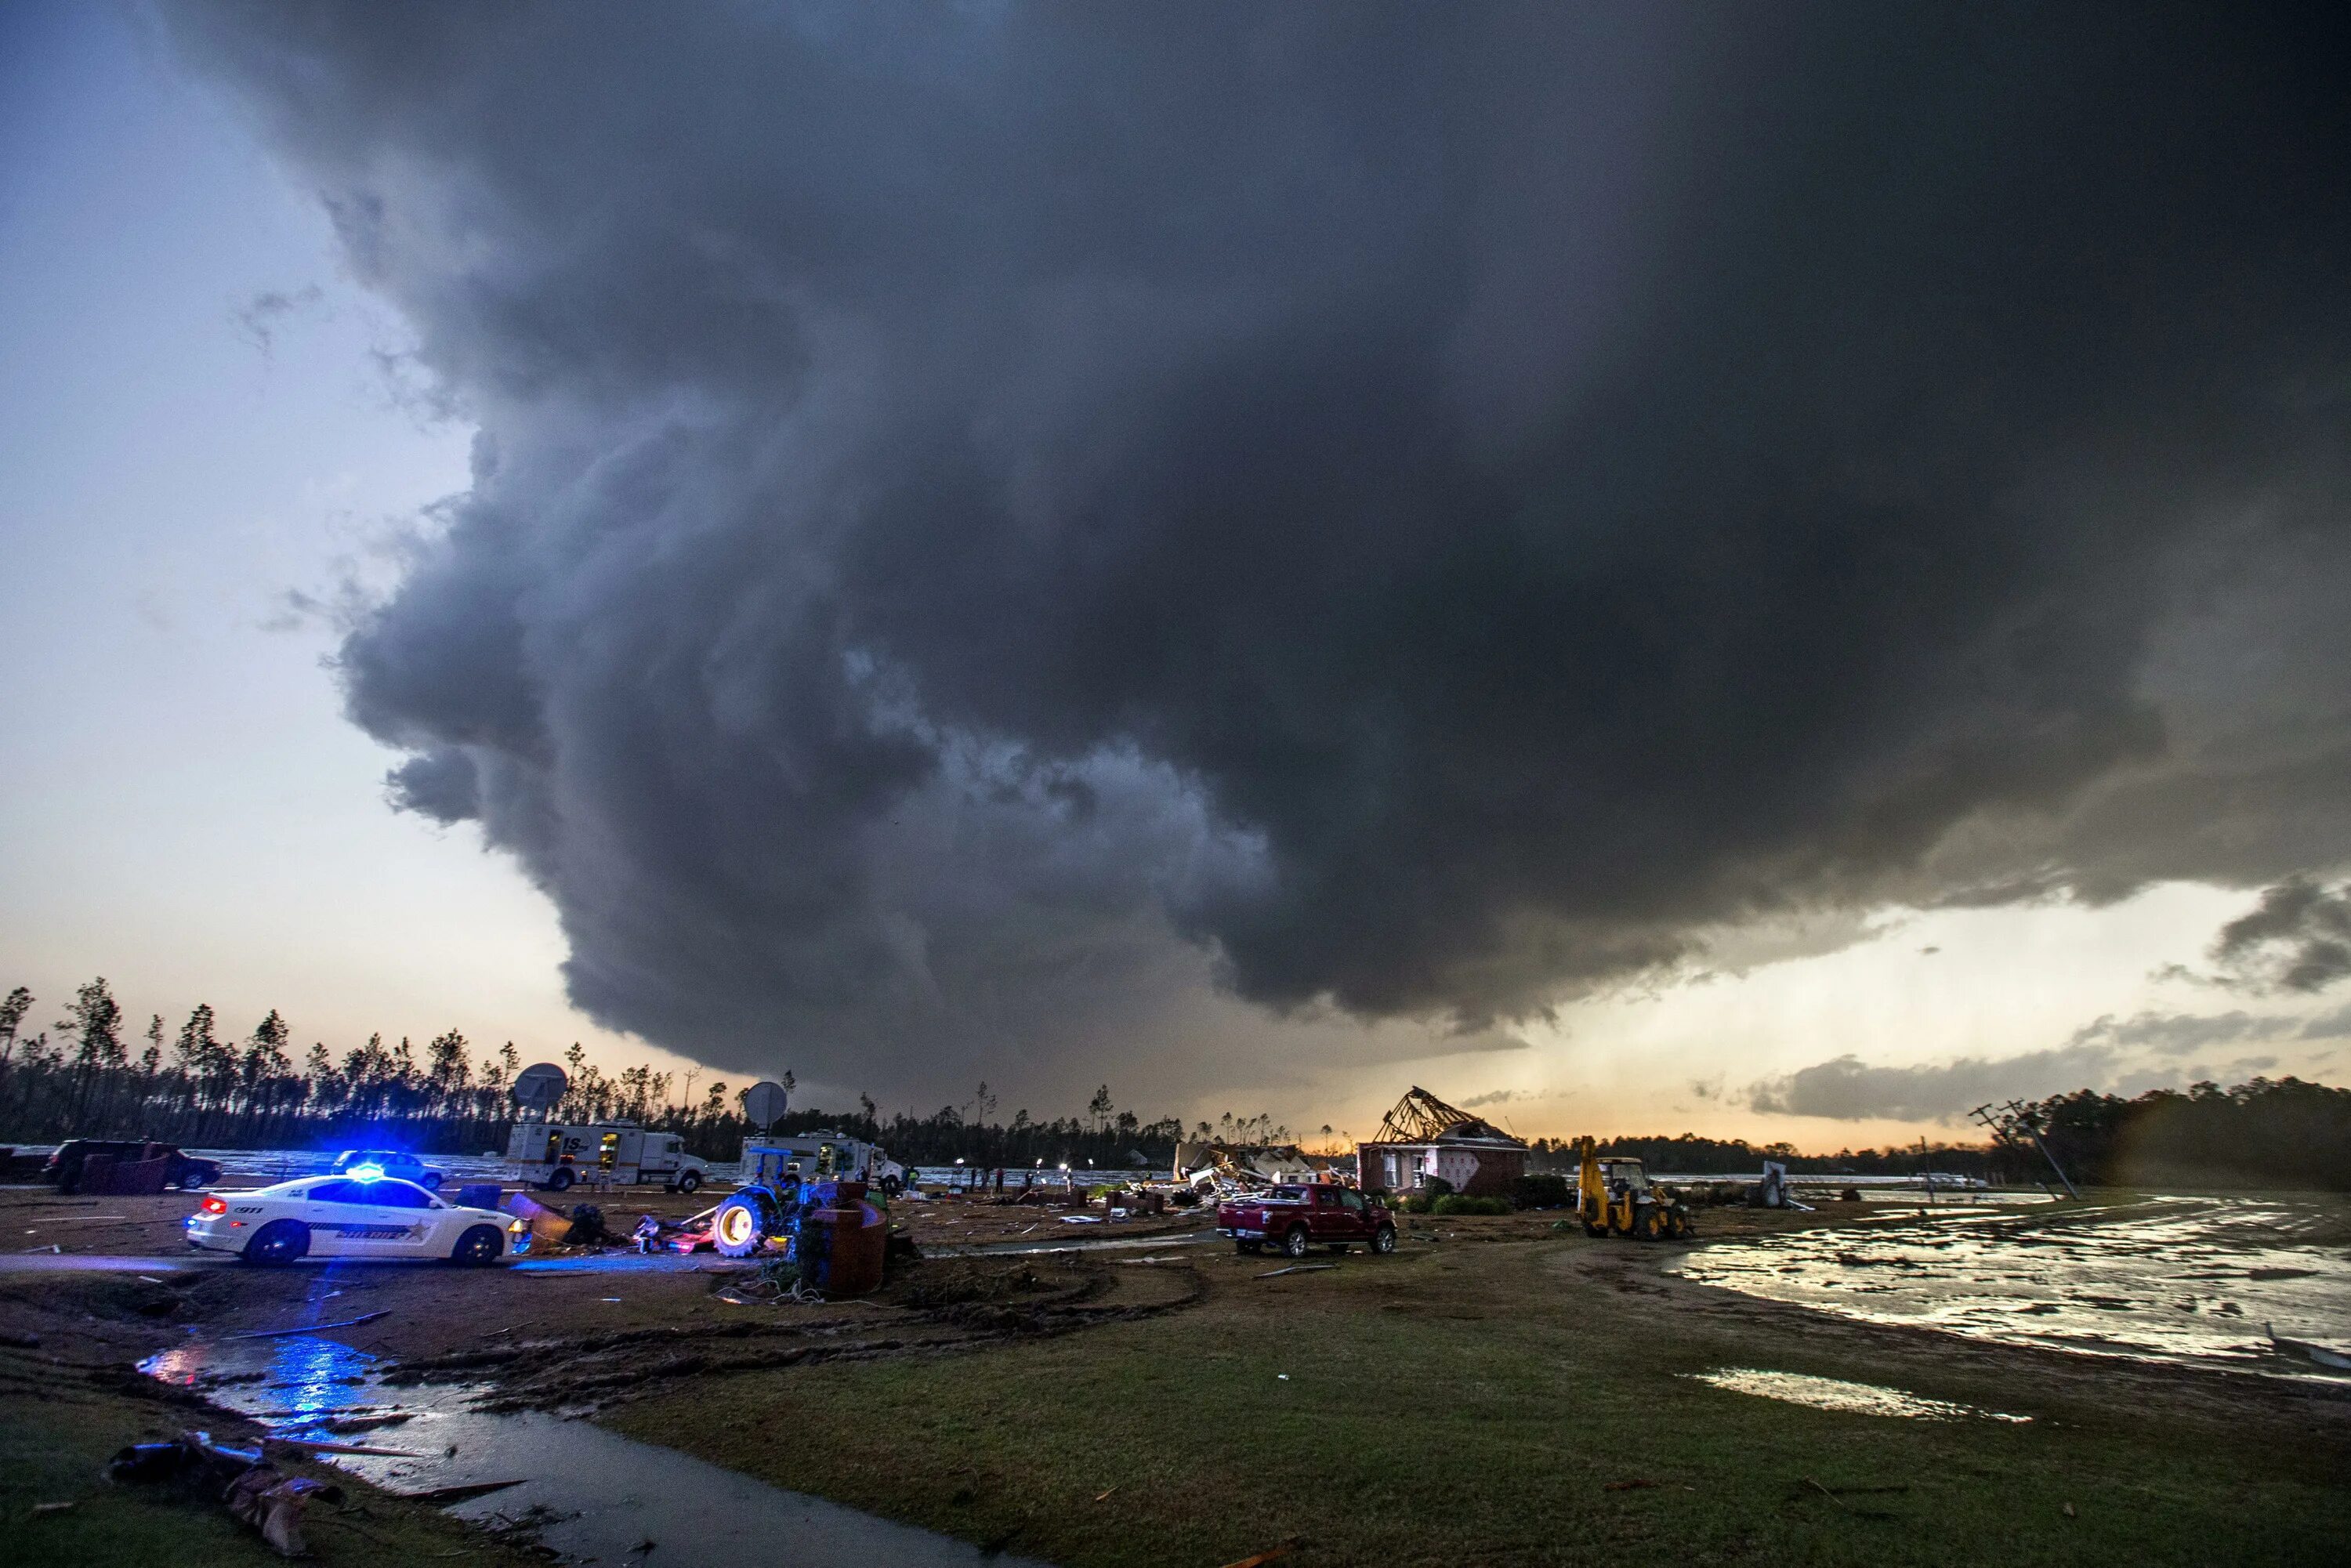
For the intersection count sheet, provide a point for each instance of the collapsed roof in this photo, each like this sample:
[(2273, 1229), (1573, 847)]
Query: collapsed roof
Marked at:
[(1421, 1117)]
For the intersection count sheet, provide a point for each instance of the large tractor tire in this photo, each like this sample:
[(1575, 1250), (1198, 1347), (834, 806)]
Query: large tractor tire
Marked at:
[(1648, 1223), (740, 1227)]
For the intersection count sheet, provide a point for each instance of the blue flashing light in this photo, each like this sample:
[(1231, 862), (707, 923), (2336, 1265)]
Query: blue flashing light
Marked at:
[(365, 1173)]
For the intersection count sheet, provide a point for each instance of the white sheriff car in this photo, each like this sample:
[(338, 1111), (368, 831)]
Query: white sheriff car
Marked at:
[(347, 1216)]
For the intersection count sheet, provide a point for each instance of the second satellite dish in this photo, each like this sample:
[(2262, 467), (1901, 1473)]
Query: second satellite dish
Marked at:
[(540, 1088), (764, 1105)]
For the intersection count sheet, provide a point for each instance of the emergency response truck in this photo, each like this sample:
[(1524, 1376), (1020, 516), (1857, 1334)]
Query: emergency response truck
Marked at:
[(558, 1155)]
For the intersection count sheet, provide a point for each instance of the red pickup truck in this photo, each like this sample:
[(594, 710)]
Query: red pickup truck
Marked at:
[(1294, 1218)]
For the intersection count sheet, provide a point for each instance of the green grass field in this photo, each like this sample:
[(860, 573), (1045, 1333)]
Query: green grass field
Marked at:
[(1484, 1403)]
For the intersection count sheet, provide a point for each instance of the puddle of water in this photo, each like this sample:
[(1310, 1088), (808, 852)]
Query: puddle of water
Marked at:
[(599, 1494), (2194, 1280), (1836, 1394)]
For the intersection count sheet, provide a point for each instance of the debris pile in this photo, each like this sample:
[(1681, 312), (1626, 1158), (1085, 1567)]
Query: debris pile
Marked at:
[(254, 1490), (1231, 1169)]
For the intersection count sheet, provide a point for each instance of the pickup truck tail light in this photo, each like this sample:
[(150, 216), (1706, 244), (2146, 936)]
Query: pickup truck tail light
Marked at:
[(214, 1205)]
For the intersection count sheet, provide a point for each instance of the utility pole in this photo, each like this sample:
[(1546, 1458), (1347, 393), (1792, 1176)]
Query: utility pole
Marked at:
[(2011, 1122)]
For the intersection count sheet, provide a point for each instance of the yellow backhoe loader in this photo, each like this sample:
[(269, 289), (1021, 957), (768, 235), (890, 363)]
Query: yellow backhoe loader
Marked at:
[(1614, 1197)]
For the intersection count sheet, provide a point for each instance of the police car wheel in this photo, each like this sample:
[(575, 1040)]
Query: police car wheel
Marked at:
[(688, 1181), (480, 1245), (279, 1242)]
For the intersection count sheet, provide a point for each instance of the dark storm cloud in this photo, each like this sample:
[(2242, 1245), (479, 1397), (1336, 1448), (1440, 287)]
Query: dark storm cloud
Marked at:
[(986, 517), (2110, 1054), (2178, 1034), (2298, 939), (1847, 1089)]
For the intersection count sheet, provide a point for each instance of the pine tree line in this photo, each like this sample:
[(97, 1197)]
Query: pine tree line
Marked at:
[(83, 1077)]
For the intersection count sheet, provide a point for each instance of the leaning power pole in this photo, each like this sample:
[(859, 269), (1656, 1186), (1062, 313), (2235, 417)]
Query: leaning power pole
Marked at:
[(2010, 1125)]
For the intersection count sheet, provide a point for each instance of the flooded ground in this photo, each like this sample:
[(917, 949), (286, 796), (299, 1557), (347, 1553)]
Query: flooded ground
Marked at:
[(2198, 1281), (587, 1493), (1836, 1393)]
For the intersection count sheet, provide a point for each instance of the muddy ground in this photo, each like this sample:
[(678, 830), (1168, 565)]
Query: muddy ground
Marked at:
[(1040, 1394), (603, 1302)]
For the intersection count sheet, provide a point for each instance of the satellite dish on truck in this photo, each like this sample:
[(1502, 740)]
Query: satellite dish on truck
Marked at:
[(764, 1105), (539, 1089)]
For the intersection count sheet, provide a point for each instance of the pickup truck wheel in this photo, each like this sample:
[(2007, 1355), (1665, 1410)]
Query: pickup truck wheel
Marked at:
[(1384, 1240), (1295, 1243), (430, 1181), (279, 1242), (689, 1181)]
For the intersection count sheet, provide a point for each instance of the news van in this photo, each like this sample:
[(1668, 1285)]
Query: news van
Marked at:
[(815, 1157), (558, 1155)]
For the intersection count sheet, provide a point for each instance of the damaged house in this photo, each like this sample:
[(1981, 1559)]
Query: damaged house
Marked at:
[(1248, 1165), (1423, 1137)]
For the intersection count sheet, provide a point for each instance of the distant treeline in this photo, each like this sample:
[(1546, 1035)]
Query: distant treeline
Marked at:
[(2280, 1133), (84, 1078), (191, 1088), (2267, 1133), (1690, 1154)]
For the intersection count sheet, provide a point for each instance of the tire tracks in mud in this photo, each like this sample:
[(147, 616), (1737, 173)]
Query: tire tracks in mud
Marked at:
[(610, 1367)]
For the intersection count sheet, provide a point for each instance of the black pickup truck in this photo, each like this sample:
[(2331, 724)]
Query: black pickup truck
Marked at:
[(187, 1173)]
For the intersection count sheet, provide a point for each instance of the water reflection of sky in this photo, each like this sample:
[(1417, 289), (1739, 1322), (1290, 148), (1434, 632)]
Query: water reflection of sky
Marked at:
[(2188, 1279), (598, 1494), (1851, 1398), (293, 1381)]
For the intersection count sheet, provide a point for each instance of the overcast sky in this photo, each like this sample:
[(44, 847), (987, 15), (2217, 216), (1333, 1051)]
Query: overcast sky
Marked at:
[(1642, 568)]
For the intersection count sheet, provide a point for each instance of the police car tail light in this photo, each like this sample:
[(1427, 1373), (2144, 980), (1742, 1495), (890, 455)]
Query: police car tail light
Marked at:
[(214, 1205)]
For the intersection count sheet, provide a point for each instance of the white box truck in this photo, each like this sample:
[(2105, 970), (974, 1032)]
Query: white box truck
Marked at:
[(558, 1155), (813, 1157)]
